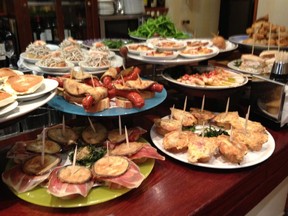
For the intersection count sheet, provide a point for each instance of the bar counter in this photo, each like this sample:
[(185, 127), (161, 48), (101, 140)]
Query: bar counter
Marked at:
[(173, 187)]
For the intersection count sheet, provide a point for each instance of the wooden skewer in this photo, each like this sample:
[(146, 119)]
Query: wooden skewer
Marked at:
[(172, 110), (203, 102), (269, 37), (107, 148), (247, 118), (91, 77), (203, 128), (63, 126), (126, 136), (43, 146), (120, 125), (74, 156), (279, 37), (227, 105), (185, 104), (91, 124)]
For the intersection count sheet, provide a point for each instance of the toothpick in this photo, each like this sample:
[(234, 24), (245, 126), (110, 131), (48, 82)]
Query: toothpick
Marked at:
[(91, 124), (126, 136), (185, 104), (107, 148), (43, 146), (91, 77), (279, 39), (269, 37), (203, 128), (246, 118), (172, 110), (120, 125), (230, 138), (63, 125), (203, 102), (227, 105), (74, 156)]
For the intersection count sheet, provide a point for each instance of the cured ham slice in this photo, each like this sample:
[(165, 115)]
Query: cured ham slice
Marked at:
[(132, 178), (147, 151), (66, 190), (18, 152), (20, 182)]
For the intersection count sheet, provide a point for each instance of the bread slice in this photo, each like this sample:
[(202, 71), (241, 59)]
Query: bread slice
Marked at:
[(201, 149), (6, 98), (23, 84)]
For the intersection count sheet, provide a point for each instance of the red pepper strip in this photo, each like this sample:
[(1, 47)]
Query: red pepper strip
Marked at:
[(107, 82), (156, 87), (136, 99), (92, 82), (132, 76), (87, 102)]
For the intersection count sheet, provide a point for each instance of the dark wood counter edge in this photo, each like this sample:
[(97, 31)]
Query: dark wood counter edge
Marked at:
[(166, 190)]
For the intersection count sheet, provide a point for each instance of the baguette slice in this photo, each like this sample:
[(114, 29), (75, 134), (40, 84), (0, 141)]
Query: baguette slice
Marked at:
[(74, 174), (123, 103), (99, 106), (34, 166), (110, 166)]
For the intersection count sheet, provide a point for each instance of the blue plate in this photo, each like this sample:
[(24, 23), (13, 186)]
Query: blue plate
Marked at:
[(59, 103)]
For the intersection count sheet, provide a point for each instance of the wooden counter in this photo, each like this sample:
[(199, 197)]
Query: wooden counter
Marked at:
[(174, 188)]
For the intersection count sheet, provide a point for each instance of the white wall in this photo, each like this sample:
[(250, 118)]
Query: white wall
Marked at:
[(202, 14), (276, 9)]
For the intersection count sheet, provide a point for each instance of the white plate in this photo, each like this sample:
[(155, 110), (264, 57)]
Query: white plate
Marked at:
[(137, 51), (8, 108), (250, 159), (172, 76), (27, 59), (116, 61), (169, 57), (89, 69), (233, 65), (48, 85), (25, 107), (229, 47), (201, 41), (56, 69), (52, 47), (177, 61), (177, 45), (214, 50)]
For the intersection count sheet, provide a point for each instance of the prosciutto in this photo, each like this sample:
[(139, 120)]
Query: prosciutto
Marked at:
[(18, 152), (147, 151), (66, 190), (20, 182), (132, 178)]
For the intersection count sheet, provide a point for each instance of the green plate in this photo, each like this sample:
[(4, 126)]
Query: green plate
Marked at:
[(40, 196)]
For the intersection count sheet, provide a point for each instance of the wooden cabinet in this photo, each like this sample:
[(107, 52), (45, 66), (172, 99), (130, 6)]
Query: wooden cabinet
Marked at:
[(76, 18)]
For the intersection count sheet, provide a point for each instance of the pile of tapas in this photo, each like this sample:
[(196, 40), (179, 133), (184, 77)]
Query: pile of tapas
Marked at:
[(115, 89), (215, 140), (39, 58), (73, 165)]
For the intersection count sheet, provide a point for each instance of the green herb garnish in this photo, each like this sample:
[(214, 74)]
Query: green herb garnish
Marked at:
[(213, 132)]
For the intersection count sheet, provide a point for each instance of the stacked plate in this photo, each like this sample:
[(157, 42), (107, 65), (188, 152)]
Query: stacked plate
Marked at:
[(106, 7)]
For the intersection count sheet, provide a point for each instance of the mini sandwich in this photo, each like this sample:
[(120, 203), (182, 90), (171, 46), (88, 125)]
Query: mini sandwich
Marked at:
[(166, 125), (95, 135), (62, 136), (134, 134), (6, 98), (117, 172), (252, 63), (93, 99), (23, 84), (269, 58)]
